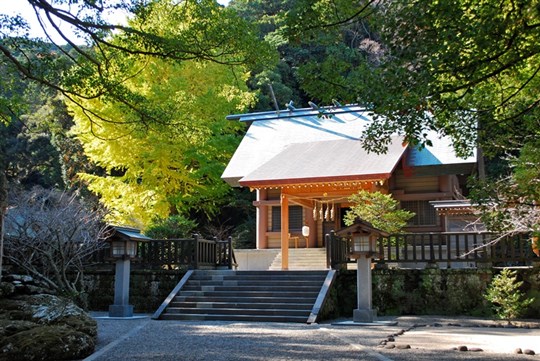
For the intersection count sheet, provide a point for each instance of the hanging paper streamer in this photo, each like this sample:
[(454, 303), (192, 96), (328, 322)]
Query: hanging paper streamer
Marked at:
[(332, 212), (321, 213), (327, 213), (315, 212)]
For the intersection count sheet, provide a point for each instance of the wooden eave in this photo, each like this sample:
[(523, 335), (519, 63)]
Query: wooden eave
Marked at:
[(361, 226), (353, 181)]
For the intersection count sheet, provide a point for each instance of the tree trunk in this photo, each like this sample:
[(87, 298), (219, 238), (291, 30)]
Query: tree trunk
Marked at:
[(3, 210)]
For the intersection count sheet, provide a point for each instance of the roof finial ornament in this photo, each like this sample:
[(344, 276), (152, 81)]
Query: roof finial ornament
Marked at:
[(290, 106), (336, 103)]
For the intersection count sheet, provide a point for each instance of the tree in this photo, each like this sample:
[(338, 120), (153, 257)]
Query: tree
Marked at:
[(505, 295), (460, 67), (379, 209), (172, 166), (510, 204), (466, 69), (215, 34), (51, 235)]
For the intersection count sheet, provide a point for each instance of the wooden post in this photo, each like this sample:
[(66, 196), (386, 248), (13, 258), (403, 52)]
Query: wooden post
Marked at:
[(284, 232), (312, 239), (229, 252), (196, 251), (262, 220)]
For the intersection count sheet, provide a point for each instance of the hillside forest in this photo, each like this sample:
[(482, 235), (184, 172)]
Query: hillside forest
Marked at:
[(129, 114)]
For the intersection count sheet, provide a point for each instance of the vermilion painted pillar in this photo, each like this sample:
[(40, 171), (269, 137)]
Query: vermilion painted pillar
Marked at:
[(262, 220), (284, 232), (312, 239)]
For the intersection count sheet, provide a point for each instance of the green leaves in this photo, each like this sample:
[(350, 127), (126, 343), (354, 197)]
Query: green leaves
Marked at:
[(379, 209), (167, 158), (505, 295), (468, 69)]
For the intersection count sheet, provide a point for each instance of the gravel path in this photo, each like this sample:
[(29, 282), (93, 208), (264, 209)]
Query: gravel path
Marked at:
[(429, 338)]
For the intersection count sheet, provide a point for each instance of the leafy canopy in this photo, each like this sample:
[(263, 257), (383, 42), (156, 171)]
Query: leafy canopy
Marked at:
[(89, 68), (379, 209), (173, 163), (460, 67)]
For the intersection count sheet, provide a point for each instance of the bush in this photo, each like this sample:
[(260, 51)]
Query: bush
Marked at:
[(505, 295), (176, 226)]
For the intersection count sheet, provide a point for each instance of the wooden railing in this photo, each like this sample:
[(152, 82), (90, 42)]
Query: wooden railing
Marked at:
[(337, 250), (194, 253), (448, 249)]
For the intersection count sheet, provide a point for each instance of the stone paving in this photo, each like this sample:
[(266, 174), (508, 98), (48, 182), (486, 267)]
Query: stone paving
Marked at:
[(413, 338)]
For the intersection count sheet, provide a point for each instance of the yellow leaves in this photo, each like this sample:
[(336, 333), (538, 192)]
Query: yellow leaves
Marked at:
[(147, 166), (129, 203)]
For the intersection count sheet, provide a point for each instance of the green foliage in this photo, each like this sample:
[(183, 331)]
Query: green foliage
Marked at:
[(171, 166), (379, 209), (173, 162), (505, 295), (175, 226), (209, 32), (447, 65), (244, 235), (509, 203)]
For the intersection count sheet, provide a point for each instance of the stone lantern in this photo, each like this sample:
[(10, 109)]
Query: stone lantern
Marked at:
[(124, 243), (363, 237)]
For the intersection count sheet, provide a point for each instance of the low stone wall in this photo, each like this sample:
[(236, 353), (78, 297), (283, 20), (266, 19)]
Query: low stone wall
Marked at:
[(148, 288), (395, 291), (427, 292)]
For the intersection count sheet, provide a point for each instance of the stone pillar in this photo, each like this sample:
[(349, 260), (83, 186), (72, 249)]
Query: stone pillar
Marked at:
[(121, 308), (364, 312)]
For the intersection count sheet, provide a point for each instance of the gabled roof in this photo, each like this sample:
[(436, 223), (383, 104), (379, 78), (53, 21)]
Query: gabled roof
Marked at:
[(325, 161), (129, 233), (307, 145)]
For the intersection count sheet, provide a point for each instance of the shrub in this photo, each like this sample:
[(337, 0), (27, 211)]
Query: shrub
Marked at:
[(505, 295)]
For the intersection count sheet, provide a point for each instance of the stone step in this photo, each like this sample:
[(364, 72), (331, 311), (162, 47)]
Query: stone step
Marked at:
[(259, 296), (266, 274), (302, 259), (234, 299), (243, 305), (234, 311), (250, 294), (238, 317), (311, 281), (252, 288)]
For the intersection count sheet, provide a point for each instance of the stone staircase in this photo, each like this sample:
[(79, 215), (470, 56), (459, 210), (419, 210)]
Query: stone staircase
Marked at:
[(263, 296), (303, 259)]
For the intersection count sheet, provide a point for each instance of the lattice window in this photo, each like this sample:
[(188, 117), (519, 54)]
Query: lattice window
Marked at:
[(425, 214), (295, 219)]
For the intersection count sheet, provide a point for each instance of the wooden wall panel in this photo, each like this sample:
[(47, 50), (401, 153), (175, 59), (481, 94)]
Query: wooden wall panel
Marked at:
[(416, 184)]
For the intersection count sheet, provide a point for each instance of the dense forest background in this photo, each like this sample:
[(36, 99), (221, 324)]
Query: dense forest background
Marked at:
[(132, 117)]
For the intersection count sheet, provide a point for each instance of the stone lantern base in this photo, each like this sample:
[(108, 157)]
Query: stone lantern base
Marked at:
[(364, 315), (120, 311)]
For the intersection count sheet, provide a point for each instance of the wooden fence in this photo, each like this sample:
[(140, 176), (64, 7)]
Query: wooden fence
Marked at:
[(194, 253), (447, 249)]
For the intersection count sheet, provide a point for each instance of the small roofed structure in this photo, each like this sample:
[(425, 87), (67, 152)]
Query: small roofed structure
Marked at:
[(124, 240), (361, 226)]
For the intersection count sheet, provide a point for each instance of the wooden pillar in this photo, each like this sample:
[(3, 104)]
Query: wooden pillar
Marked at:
[(262, 220), (312, 239), (284, 232)]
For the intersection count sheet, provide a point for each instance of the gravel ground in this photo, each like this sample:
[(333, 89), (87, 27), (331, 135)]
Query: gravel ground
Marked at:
[(430, 338)]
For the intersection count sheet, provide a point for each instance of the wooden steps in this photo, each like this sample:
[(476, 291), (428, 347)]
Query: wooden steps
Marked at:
[(263, 296)]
